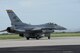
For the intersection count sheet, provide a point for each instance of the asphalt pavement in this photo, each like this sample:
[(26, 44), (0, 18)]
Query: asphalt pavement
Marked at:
[(55, 45)]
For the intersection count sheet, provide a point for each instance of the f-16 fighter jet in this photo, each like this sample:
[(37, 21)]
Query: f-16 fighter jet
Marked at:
[(28, 30)]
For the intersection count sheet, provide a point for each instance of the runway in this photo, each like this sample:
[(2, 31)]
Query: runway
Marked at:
[(56, 45), (42, 42), (43, 49)]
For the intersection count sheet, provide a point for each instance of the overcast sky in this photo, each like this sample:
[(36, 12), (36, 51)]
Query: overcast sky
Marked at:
[(63, 12)]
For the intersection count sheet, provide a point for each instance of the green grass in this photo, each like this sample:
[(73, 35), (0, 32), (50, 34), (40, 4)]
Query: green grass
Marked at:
[(16, 36), (13, 36), (65, 34)]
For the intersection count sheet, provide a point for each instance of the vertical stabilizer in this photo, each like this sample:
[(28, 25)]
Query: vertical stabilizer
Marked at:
[(13, 17)]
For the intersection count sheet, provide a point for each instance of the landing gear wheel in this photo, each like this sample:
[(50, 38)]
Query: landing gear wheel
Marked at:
[(37, 38), (27, 38), (49, 37)]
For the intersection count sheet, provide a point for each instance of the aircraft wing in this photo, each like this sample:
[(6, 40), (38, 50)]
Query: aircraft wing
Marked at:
[(35, 29), (20, 30)]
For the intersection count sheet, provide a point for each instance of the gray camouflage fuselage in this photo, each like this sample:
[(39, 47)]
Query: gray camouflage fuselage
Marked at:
[(30, 31)]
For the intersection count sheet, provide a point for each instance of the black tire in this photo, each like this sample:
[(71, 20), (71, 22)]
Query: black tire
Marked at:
[(27, 38), (37, 38), (21, 35), (49, 37)]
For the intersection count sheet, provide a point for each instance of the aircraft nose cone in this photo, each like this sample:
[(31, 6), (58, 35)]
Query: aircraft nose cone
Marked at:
[(64, 28), (60, 28)]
